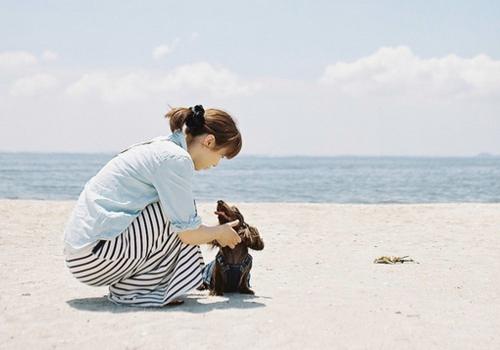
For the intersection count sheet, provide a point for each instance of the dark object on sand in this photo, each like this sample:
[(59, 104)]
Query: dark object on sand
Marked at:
[(230, 271), (393, 260)]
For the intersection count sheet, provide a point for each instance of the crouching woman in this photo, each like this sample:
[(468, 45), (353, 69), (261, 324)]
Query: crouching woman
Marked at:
[(135, 227)]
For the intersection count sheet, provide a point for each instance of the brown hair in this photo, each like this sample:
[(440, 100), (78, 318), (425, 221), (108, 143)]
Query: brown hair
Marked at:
[(217, 122)]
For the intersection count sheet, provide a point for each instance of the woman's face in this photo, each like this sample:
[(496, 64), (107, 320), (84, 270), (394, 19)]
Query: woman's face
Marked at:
[(204, 154), (210, 159)]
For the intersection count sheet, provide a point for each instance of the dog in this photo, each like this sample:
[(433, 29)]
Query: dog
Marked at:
[(230, 271)]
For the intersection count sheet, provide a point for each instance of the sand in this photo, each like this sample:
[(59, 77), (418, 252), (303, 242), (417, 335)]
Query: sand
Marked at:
[(315, 281)]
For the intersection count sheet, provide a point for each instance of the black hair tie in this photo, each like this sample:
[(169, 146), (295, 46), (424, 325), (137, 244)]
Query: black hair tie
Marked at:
[(197, 119)]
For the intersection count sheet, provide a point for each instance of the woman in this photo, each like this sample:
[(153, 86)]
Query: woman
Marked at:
[(135, 227)]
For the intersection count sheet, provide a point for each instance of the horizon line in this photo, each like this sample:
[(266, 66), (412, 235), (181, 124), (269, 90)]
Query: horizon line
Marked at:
[(249, 155)]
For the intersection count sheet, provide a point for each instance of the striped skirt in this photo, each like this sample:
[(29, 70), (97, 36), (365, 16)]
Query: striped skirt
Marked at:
[(146, 265)]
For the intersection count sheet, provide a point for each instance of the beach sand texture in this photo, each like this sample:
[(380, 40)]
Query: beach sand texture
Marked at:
[(315, 281)]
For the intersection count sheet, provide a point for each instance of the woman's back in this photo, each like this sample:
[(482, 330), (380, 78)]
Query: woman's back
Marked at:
[(125, 185)]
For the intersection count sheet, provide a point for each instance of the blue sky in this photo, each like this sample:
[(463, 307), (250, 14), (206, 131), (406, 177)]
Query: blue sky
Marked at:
[(95, 65)]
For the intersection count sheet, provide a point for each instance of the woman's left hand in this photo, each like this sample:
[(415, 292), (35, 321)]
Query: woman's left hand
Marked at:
[(227, 236)]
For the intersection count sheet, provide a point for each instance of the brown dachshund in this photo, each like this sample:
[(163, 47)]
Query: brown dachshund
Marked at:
[(230, 271)]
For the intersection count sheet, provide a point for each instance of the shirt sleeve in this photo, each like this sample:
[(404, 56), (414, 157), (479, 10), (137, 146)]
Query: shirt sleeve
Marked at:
[(173, 182)]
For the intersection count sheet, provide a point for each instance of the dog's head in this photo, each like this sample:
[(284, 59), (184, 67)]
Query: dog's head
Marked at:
[(249, 235)]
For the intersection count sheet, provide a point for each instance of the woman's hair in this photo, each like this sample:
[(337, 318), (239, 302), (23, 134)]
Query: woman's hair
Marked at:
[(216, 122)]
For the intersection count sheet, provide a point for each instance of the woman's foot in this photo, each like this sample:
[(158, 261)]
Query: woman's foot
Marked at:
[(176, 302)]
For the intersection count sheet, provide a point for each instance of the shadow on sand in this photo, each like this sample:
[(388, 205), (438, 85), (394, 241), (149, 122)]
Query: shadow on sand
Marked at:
[(191, 304)]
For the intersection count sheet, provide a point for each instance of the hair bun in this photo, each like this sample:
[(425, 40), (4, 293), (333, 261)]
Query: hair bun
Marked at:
[(196, 120)]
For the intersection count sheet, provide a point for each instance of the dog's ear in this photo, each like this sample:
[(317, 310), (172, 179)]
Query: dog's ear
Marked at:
[(239, 216), (252, 239)]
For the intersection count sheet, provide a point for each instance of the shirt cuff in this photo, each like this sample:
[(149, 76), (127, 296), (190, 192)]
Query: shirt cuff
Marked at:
[(193, 223)]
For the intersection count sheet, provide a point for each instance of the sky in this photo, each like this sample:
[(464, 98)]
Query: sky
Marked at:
[(317, 78)]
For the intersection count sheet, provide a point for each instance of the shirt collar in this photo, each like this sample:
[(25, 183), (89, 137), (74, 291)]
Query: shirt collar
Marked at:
[(179, 139)]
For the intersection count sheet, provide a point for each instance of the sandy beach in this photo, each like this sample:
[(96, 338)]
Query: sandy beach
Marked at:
[(315, 282)]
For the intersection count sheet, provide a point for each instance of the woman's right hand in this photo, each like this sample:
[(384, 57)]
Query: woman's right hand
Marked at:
[(227, 236)]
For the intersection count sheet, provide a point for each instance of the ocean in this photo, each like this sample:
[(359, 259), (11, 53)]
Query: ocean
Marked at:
[(57, 176)]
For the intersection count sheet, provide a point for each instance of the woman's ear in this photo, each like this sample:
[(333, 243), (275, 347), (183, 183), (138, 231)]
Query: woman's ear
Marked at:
[(209, 141)]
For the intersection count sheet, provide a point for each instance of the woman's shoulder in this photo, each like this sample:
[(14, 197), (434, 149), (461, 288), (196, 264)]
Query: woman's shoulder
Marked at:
[(159, 152), (163, 157), (172, 146), (167, 148)]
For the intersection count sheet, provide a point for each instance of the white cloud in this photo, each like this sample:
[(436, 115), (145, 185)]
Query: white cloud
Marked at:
[(15, 59), (164, 50), (161, 51), (193, 78), (112, 87), (340, 123), (203, 76), (397, 70), (49, 55), (32, 85)]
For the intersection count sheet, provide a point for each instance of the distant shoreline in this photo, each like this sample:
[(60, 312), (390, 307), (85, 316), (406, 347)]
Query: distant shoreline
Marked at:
[(113, 153), (207, 202)]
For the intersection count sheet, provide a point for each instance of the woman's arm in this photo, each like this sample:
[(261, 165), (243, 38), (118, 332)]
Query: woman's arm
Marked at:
[(172, 179), (224, 234)]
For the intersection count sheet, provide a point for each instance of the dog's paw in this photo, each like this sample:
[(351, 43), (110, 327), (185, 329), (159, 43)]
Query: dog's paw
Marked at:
[(214, 293), (247, 291)]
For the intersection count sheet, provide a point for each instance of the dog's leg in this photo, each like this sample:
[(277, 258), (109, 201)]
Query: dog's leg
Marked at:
[(244, 288), (217, 287)]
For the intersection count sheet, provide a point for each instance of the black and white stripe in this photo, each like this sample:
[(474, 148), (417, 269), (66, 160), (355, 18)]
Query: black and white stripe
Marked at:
[(146, 265)]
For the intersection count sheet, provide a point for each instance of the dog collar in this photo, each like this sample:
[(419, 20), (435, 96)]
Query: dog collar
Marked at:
[(247, 261)]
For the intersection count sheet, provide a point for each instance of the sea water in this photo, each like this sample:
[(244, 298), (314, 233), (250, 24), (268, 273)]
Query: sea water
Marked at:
[(278, 179)]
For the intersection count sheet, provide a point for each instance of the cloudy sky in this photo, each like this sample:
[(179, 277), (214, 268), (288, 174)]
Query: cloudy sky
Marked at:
[(300, 77)]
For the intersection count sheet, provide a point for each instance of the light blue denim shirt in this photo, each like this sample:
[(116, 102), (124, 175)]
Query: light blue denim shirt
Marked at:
[(159, 169)]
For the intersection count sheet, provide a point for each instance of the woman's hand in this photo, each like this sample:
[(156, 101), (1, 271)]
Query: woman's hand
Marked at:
[(224, 234), (227, 236)]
